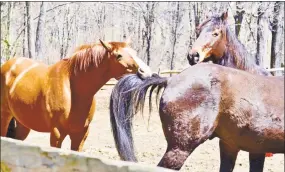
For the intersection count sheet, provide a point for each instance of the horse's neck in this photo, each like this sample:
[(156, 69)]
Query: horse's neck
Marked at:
[(253, 68), (236, 56), (88, 83)]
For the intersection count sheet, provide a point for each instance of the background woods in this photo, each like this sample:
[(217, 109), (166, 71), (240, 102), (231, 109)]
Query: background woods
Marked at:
[(162, 32)]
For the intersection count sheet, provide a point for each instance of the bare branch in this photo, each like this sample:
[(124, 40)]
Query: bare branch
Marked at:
[(53, 8)]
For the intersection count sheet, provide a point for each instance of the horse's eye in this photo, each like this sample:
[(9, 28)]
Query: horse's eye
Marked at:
[(215, 34), (119, 56)]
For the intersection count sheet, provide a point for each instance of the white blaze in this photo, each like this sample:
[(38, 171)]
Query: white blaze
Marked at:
[(144, 67)]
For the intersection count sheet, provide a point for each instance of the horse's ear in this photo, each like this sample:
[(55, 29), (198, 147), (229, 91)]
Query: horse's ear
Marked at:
[(224, 16), (106, 45)]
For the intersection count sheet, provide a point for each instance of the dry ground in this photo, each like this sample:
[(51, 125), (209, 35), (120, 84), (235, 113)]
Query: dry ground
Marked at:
[(150, 143)]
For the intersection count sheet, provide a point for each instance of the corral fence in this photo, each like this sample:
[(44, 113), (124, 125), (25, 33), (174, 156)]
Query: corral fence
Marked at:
[(170, 72), (21, 156)]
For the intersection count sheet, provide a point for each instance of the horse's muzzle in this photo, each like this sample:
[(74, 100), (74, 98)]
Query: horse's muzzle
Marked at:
[(143, 75), (193, 58)]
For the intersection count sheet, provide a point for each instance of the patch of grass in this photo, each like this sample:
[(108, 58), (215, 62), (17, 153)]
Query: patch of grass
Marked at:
[(4, 167)]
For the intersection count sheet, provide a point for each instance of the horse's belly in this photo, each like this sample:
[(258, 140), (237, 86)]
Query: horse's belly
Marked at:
[(261, 145), (30, 115), (253, 141)]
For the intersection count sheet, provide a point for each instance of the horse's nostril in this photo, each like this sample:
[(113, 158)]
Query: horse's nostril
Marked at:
[(193, 58)]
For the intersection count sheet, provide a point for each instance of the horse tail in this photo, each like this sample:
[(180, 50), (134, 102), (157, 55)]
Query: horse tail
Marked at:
[(11, 133), (128, 96)]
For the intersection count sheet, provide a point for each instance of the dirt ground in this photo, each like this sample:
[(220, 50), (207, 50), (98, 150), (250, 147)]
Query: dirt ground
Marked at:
[(150, 143)]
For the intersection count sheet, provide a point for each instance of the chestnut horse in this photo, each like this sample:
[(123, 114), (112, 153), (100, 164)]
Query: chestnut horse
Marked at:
[(244, 110), (60, 98), (218, 44)]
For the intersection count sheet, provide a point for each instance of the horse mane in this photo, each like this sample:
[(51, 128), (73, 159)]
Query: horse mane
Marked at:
[(90, 55), (237, 54)]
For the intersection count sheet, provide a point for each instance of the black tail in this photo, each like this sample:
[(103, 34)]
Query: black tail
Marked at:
[(127, 98)]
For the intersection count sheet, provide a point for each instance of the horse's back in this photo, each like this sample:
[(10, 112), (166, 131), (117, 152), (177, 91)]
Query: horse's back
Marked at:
[(19, 69), (251, 109)]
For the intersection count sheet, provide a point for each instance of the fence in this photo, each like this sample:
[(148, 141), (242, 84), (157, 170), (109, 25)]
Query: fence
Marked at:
[(20, 156)]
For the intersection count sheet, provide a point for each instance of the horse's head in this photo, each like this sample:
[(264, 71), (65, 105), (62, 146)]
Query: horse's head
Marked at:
[(211, 42), (124, 60)]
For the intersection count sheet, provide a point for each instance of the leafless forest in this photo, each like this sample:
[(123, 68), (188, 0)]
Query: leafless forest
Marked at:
[(161, 32)]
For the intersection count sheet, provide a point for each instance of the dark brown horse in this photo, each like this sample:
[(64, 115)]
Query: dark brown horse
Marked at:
[(244, 110), (59, 99), (218, 44)]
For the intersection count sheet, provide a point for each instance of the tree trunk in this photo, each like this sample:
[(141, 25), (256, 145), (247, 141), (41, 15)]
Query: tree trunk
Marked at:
[(274, 26), (238, 18), (62, 43), (40, 32), (277, 29), (176, 20), (196, 16), (29, 30), (258, 36), (7, 41), (149, 19), (24, 37)]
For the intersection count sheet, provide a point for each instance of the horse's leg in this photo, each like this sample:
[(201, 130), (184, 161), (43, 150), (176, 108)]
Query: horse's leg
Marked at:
[(16, 130), (256, 162), (174, 157), (11, 133), (176, 154), (56, 137), (5, 121), (228, 155), (183, 137), (78, 139), (21, 132)]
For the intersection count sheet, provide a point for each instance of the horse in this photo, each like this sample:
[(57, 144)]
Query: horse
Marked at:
[(59, 99), (217, 44), (244, 110)]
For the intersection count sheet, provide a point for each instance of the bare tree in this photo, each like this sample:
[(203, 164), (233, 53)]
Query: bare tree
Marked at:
[(40, 32), (259, 35), (24, 35), (274, 26), (148, 17), (176, 21), (155, 30), (29, 30), (5, 38), (238, 18)]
